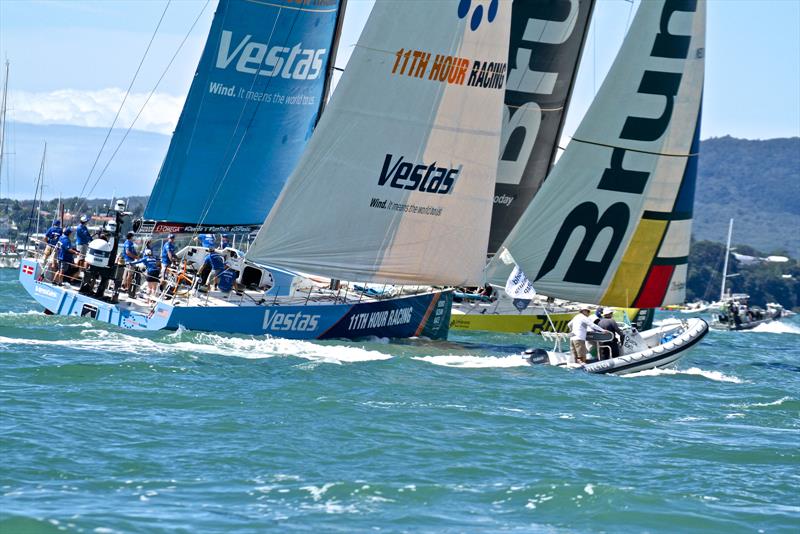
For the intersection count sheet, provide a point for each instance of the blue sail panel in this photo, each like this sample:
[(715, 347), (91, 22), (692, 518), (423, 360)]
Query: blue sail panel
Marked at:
[(250, 111)]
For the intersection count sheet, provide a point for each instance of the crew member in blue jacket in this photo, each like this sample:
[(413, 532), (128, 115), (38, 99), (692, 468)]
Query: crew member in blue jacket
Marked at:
[(152, 269), (207, 240), (167, 255), (214, 264), (82, 240), (51, 238), (225, 243), (129, 255), (227, 280), (66, 257)]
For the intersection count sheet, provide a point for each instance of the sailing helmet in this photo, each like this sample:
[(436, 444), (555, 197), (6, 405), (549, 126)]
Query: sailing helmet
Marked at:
[(84, 218), (111, 226), (607, 312), (67, 230)]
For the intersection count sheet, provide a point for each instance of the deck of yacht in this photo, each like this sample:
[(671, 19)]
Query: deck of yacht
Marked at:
[(194, 296)]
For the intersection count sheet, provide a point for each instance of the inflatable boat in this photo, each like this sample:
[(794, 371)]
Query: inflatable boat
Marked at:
[(658, 347)]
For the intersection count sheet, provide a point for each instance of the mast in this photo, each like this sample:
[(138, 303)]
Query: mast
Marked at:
[(337, 35), (3, 109), (725, 267)]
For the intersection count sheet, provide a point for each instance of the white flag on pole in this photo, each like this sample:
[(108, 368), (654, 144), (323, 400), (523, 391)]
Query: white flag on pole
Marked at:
[(518, 286)]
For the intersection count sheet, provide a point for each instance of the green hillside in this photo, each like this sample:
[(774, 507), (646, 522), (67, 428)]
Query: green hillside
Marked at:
[(755, 182)]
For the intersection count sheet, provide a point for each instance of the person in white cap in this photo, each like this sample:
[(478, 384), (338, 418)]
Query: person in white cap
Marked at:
[(608, 323), (579, 325)]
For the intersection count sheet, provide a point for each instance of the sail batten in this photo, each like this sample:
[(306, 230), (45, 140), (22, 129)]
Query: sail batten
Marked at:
[(396, 185), (250, 111), (612, 223)]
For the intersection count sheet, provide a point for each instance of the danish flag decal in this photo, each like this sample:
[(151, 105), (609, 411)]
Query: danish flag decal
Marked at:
[(27, 269)]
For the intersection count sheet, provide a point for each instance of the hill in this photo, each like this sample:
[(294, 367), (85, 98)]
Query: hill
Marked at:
[(755, 182)]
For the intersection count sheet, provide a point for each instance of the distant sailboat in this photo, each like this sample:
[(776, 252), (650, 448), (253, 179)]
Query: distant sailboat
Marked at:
[(734, 311), (395, 185), (612, 223)]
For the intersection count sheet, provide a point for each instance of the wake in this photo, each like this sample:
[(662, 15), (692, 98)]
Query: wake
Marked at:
[(693, 371)]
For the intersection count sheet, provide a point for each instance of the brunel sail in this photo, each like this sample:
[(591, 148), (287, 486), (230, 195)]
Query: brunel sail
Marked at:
[(547, 37), (397, 183), (611, 224), (250, 111)]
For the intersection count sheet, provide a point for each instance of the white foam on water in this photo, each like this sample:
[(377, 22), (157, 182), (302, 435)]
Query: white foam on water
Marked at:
[(775, 327), (208, 344), (20, 314), (711, 375), (318, 492), (475, 362), (269, 347), (762, 404), (589, 489)]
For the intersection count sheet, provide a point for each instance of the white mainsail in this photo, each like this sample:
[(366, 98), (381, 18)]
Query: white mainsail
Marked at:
[(612, 222), (397, 182)]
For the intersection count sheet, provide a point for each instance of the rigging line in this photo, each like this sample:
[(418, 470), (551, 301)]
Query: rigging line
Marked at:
[(689, 155), (224, 176), (78, 202), (149, 96)]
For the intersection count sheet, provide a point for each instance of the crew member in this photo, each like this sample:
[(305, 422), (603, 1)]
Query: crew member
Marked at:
[(51, 238), (167, 255), (152, 270), (129, 255), (225, 243), (82, 240), (608, 323), (579, 325), (207, 240), (66, 257), (214, 264), (226, 281)]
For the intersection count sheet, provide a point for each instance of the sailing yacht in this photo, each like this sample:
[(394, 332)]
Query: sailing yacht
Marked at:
[(611, 225), (546, 45), (394, 186)]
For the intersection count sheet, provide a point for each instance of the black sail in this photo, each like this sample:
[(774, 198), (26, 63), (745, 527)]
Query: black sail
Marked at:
[(547, 38)]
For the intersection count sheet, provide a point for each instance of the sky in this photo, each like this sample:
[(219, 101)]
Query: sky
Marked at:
[(72, 61)]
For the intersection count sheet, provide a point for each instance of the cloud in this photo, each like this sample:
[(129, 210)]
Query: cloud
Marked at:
[(97, 109)]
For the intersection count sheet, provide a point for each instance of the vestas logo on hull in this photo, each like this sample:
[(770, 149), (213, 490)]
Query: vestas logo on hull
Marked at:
[(251, 57), (423, 177), (290, 322)]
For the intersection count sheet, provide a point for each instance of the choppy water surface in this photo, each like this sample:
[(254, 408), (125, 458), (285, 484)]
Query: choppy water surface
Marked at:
[(104, 431)]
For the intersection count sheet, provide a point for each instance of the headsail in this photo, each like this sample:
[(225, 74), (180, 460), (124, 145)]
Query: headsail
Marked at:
[(250, 112), (612, 223), (547, 37), (396, 185)]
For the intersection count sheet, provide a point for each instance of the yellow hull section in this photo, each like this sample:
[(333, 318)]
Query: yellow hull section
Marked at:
[(520, 323)]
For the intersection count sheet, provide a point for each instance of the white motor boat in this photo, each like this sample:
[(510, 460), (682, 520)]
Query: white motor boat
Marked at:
[(655, 348)]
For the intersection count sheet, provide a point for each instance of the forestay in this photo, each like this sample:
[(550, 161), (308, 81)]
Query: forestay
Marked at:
[(396, 185), (547, 37), (612, 223), (249, 114)]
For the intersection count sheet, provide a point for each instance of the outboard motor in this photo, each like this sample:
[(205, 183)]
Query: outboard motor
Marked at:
[(536, 356)]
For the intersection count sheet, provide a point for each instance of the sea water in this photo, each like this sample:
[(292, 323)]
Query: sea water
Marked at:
[(103, 431)]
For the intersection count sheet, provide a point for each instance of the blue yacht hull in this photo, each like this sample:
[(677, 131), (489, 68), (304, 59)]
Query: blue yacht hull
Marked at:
[(424, 315)]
